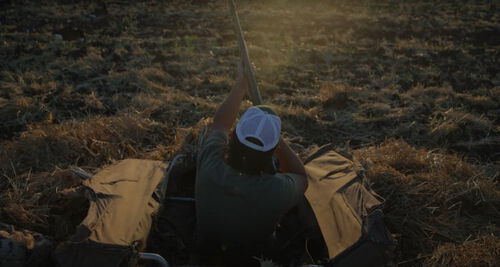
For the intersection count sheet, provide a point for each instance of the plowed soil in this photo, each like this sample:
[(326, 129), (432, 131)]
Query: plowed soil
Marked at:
[(411, 88)]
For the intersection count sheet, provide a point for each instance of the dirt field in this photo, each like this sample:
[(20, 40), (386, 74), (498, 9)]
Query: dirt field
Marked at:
[(411, 87)]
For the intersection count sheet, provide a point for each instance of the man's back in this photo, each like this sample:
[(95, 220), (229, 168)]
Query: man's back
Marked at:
[(235, 208)]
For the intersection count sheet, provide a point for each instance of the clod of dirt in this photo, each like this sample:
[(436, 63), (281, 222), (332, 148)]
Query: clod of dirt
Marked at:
[(334, 95)]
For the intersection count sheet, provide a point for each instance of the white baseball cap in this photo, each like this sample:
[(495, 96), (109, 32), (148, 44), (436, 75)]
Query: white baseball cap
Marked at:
[(261, 125)]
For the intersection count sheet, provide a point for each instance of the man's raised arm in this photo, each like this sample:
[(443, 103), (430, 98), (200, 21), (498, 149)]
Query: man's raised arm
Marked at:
[(226, 113)]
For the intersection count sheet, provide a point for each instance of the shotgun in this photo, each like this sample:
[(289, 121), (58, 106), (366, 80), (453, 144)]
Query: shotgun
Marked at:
[(254, 92)]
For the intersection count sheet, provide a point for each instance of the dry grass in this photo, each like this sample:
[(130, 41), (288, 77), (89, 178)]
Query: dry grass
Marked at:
[(33, 202), (412, 87), (431, 197), (454, 125), (93, 142), (483, 251)]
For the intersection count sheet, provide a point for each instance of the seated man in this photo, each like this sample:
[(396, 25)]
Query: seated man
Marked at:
[(240, 195)]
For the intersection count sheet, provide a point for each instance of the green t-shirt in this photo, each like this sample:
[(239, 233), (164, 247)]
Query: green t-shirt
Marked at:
[(235, 208)]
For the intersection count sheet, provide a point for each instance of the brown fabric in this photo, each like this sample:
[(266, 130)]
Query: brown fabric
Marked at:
[(121, 211), (120, 214), (338, 199)]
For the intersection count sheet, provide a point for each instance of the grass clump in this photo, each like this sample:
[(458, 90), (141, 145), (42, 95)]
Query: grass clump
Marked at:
[(483, 251), (33, 201), (92, 142), (431, 198)]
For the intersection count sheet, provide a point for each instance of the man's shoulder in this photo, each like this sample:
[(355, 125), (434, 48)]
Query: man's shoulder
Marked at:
[(211, 149)]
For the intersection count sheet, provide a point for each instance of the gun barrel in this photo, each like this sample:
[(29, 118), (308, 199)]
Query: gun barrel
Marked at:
[(254, 92)]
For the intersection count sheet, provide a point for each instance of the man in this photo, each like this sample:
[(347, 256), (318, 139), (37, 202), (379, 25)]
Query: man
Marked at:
[(240, 195)]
